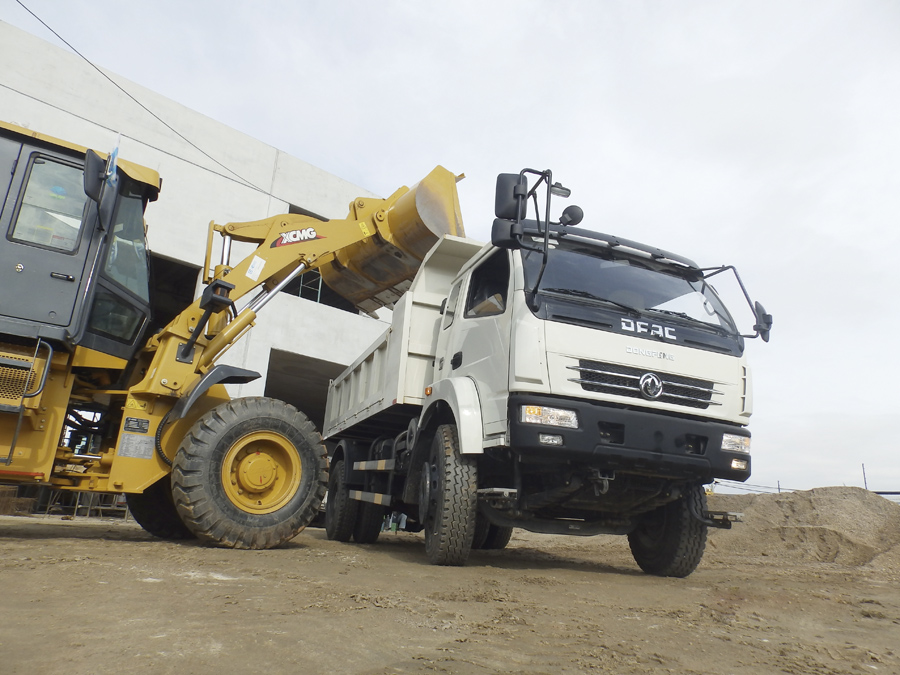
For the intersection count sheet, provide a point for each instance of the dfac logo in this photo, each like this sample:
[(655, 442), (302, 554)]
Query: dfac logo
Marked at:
[(633, 326), (295, 236)]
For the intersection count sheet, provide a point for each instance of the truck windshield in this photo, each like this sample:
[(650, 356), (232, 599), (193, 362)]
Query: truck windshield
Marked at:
[(641, 288)]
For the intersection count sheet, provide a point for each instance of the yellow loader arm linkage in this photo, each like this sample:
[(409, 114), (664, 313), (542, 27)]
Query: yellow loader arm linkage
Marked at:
[(368, 257)]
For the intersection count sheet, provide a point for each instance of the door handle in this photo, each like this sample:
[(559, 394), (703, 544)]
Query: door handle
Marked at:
[(62, 277), (456, 361)]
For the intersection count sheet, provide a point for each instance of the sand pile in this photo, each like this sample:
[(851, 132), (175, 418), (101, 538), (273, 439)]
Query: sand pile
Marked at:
[(844, 525)]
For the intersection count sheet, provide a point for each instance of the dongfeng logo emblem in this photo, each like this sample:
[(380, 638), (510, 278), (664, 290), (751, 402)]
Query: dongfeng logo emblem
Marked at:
[(651, 386)]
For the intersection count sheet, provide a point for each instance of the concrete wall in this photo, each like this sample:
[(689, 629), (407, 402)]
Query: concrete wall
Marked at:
[(48, 89)]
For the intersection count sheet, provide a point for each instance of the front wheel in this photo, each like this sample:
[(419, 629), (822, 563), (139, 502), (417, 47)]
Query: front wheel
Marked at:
[(251, 473), (448, 499), (669, 541)]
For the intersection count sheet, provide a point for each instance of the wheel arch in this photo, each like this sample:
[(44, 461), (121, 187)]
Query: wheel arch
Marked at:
[(455, 400)]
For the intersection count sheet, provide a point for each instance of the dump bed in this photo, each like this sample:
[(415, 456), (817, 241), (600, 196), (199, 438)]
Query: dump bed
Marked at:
[(373, 395)]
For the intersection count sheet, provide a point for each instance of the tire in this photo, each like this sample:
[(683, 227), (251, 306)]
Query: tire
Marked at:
[(497, 538), (482, 527), (669, 541), (154, 510), (369, 522), (251, 473), (340, 511), (448, 498)]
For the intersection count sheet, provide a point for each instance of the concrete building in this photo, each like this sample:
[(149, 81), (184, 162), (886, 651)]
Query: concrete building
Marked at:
[(298, 343)]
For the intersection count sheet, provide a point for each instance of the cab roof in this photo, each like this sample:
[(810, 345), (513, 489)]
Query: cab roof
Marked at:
[(136, 171)]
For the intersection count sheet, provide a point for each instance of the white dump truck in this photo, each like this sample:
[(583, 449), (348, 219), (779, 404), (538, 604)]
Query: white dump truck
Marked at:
[(558, 380)]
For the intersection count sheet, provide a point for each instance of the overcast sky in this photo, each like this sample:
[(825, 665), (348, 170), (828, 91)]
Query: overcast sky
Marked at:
[(760, 134)]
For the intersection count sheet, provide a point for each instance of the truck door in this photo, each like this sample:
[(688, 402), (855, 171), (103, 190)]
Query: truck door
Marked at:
[(478, 339), (42, 258)]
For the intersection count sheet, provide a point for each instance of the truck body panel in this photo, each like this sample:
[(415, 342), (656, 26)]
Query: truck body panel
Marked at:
[(399, 365)]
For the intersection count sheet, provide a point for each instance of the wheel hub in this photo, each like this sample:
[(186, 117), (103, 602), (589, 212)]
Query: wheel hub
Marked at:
[(261, 472), (257, 472)]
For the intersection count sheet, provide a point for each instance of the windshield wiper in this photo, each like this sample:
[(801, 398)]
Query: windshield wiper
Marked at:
[(687, 317), (574, 292)]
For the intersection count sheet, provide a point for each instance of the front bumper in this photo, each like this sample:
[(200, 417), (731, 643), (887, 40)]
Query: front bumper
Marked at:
[(629, 441)]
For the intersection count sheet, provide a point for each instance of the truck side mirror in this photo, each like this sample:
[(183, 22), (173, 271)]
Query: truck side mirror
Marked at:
[(506, 234), (510, 198), (572, 215), (763, 321)]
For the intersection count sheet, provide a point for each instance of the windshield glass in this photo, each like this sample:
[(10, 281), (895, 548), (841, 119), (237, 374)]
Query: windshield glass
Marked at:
[(592, 275), (127, 262)]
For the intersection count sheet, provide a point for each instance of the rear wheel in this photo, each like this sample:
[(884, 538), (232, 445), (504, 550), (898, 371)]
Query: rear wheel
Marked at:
[(369, 522), (497, 537), (448, 500), (340, 511), (489, 536), (154, 510), (669, 541), (251, 473)]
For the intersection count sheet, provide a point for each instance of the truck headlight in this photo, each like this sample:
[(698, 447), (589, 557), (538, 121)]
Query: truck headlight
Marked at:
[(735, 443), (554, 417)]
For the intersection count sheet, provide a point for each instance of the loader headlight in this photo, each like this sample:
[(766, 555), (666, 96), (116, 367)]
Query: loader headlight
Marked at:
[(735, 443), (554, 417)]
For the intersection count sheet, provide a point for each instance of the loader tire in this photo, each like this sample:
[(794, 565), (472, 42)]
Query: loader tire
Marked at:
[(369, 522), (251, 473), (340, 511), (448, 498), (669, 541), (154, 510)]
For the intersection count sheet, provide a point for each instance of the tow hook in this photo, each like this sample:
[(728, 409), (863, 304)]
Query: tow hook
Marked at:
[(499, 498), (719, 519)]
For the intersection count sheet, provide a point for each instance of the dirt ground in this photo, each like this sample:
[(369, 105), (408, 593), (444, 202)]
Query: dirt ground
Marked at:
[(809, 583)]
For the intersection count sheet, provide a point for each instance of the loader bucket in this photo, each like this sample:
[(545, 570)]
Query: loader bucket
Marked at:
[(378, 270)]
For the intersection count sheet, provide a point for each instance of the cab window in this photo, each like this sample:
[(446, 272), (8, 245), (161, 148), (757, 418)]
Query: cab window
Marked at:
[(52, 207), (127, 262), (488, 287), (450, 307)]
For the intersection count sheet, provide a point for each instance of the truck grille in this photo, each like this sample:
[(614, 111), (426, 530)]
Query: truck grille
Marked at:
[(611, 378)]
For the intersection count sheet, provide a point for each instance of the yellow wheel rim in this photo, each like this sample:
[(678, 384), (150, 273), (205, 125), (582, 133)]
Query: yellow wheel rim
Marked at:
[(261, 472)]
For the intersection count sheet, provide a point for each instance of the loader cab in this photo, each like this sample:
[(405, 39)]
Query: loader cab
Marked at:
[(66, 275)]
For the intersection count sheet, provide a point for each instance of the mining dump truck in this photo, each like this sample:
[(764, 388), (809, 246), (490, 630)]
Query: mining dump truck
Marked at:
[(559, 380), (89, 401)]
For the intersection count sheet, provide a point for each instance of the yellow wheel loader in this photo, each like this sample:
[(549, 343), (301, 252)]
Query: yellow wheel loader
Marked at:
[(89, 401)]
